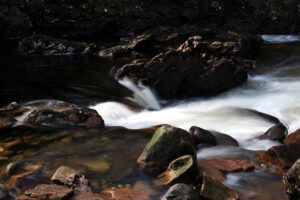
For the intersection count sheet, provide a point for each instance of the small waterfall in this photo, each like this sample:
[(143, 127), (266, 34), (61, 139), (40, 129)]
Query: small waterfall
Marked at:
[(143, 95)]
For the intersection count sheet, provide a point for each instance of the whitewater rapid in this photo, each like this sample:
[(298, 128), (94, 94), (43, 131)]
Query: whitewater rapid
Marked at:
[(276, 93)]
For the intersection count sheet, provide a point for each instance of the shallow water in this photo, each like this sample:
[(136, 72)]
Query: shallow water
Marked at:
[(108, 157)]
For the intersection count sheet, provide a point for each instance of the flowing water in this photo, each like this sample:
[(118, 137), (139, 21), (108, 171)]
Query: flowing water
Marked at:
[(108, 157)]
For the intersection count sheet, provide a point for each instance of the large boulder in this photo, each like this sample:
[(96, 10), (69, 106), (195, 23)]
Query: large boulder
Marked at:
[(292, 181), (197, 68), (293, 137), (167, 144)]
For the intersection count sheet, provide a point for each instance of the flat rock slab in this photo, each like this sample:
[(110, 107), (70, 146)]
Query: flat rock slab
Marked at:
[(48, 192), (124, 194), (218, 167), (86, 196)]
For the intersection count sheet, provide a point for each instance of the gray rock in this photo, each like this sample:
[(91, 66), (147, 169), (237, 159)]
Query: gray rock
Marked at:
[(276, 133)]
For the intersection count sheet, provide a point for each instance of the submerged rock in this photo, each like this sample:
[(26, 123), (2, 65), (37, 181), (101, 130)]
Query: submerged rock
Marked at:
[(8, 114), (276, 133), (86, 196), (167, 144), (44, 192), (292, 181), (197, 68), (217, 168), (45, 45), (181, 191), (124, 194), (214, 190)]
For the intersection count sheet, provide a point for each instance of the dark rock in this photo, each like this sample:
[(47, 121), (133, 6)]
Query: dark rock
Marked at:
[(12, 110), (86, 196), (201, 136), (22, 173), (64, 114), (214, 190), (8, 114), (91, 18), (181, 192), (293, 137), (276, 133), (144, 43), (217, 168), (288, 153), (225, 140), (45, 45), (196, 68), (292, 181), (181, 170), (48, 192), (8, 193), (167, 144), (71, 178)]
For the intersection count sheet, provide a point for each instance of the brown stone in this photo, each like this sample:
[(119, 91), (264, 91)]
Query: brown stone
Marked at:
[(293, 137), (218, 167), (86, 196), (49, 192), (124, 194)]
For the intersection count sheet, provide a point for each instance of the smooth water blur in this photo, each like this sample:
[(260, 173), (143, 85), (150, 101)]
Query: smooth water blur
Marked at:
[(108, 157)]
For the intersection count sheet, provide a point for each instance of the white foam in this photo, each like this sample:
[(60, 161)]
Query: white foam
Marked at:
[(281, 38)]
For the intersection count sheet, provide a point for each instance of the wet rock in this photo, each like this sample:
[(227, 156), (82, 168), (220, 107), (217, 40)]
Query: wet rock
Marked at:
[(22, 173), (6, 122), (69, 177), (197, 68), (214, 190), (276, 133), (45, 45), (182, 169), (181, 192), (51, 192), (292, 181), (282, 156), (167, 144), (293, 137), (86, 196), (123, 194), (12, 110), (69, 115), (8, 193), (201, 136), (144, 43), (8, 114), (217, 168), (225, 140)]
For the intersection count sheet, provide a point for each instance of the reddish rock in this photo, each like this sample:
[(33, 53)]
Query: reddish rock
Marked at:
[(30, 169), (218, 167), (49, 192), (86, 196), (124, 194), (293, 137)]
